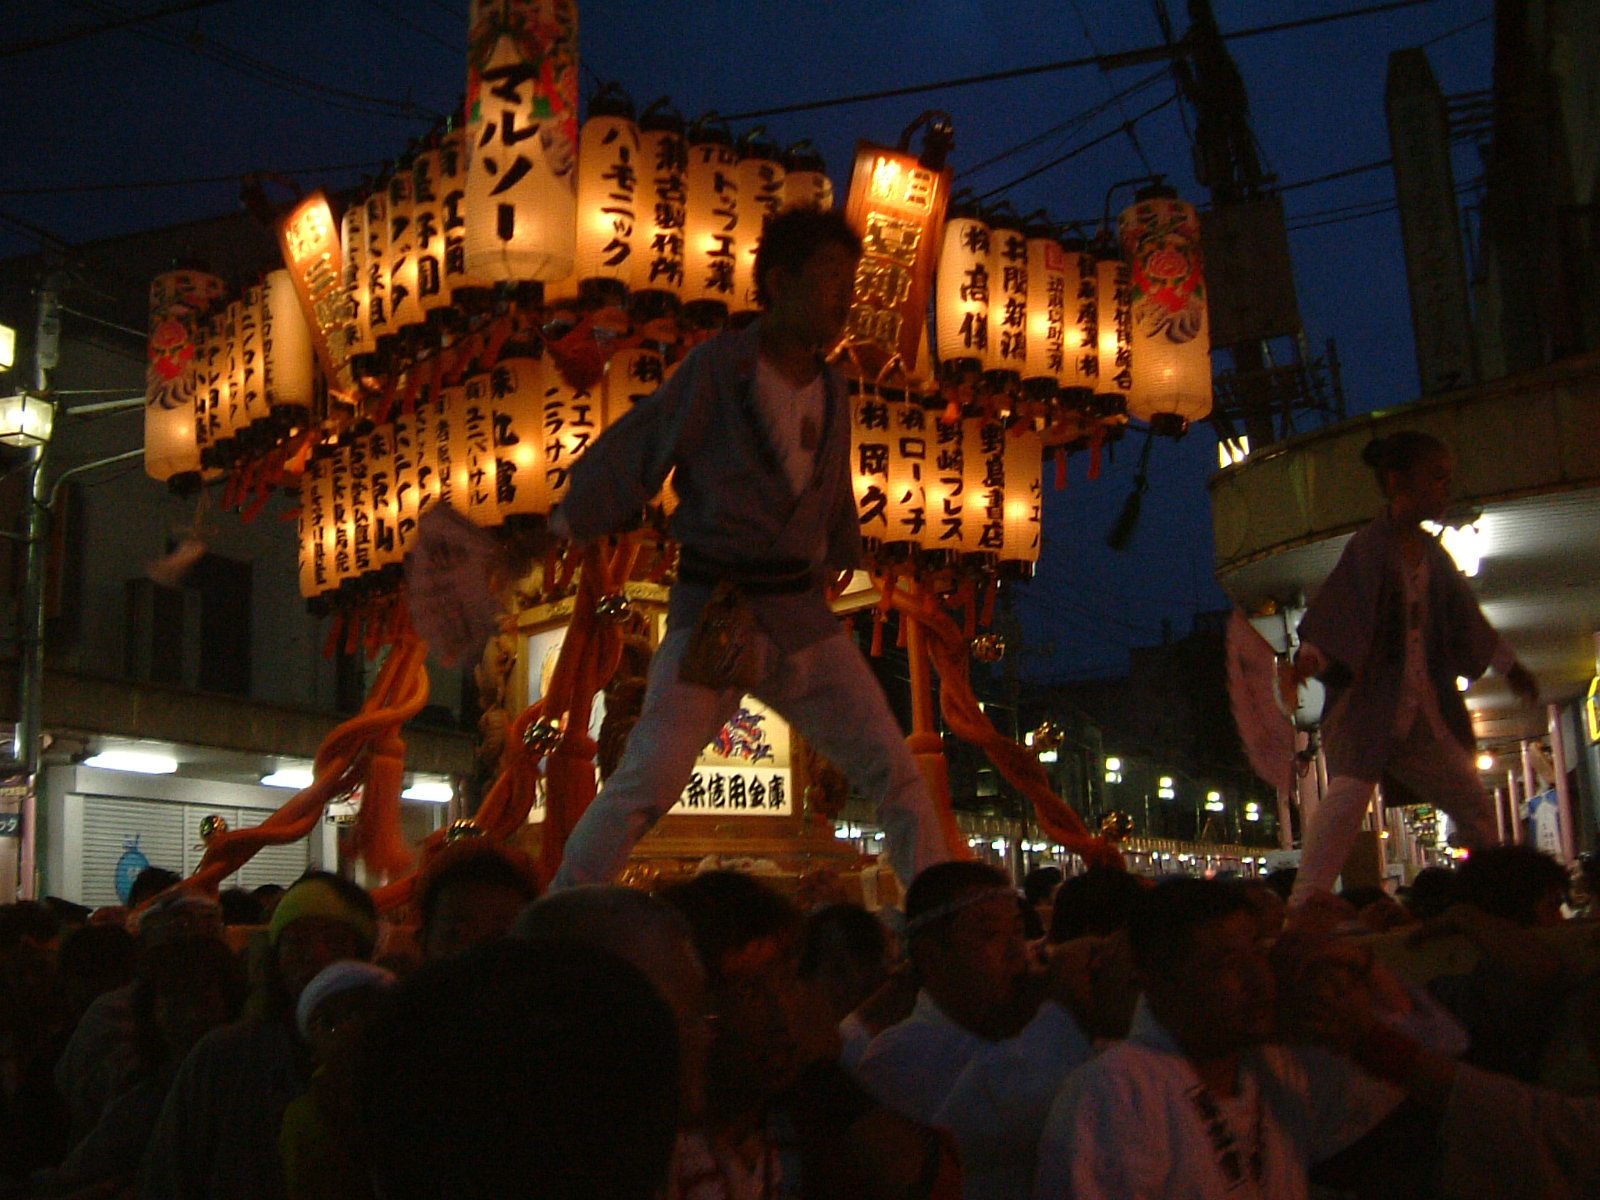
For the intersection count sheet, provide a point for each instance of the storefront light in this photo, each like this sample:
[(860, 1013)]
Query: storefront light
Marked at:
[(26, 420), (430, 791), (139, 762)]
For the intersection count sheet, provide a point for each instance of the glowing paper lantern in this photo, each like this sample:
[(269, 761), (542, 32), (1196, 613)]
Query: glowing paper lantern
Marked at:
[(419, 487), (961, 306), (472, 454), (212, 404), (569, 423), (403, 455), (316, 544), (376, 226), (353, 233), (250, 383), (984, 474), (522, 140), (909, 438), (711, 220), (608, 187), (761, 176), (232, 412), (1082, 359), (427, 231), (405, 307), (1171, 331), (356, 456), (869, 462), (631, 375), (179, 301), (336, 482), (1008, 300), (805, 181), (944, 489), (383, 502), (1114, 313), (453, 209), (1024, 465), (314, 259), (516, 389), (287, 353), (451, 407), (658, 234), (1045, 365)]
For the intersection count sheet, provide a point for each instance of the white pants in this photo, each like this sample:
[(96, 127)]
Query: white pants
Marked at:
[(1433, 766), (826, 691)]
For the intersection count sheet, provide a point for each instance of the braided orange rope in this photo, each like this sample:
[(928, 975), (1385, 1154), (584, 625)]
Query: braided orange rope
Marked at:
[(947, 650)]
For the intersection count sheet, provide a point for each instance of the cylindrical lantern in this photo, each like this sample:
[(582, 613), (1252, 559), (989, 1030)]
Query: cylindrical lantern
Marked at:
[(255, 414), (1171, 329), (453, 209), (869, 463), (211, 404), (179, 301), (569, 422), (357, 458), (944, 489), (419, 490), (805, 180), (232, 411), (1114, 315), (405, 308), (516, 391), (907, 512), (1024, 495), (1008, 300), (631, 375), (472, 454), (1082, 360), (382, 499), (287, 351), (711, 220), (608, 195), (961, 293), (761, 176), (353, 233), (658, 234), (336, 485), (316, 565), (427, 231), (522, 140), (376, 225), (1047, 313), (984, 474), (403, 445), (448, 414)]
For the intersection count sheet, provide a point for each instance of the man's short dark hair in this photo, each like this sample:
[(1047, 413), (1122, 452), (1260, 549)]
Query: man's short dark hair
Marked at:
[(1164, 920), (794, 236), (727, 910), (151, 881), (1097, 902), (1510, 881), (474, 862), (1038, 883), (538, 1069), (842, 931), (944, 882)]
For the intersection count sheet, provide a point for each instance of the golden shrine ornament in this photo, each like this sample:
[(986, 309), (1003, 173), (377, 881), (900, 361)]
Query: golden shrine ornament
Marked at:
[(988, 647), (614, 608), (541, 737), (1116, 826), (464, 829), (1048, 736), (213, 825)]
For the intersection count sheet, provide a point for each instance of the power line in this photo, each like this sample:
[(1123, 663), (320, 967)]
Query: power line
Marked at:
[(401, 19), (123, 22), (1450, 33), (1088, 36), (1332, 175), (191, 181), (1070, 154), (1125, 58)]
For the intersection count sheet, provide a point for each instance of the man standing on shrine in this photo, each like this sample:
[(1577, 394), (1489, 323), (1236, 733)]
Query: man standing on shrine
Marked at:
[(755, 426)]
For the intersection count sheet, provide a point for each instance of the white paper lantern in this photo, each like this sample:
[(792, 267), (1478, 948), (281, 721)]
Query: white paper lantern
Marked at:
[(288, 354), (403, 451), (608, 197), (316, 564), (1024, 523), (453, 209), (212, 403), (1048, 308), (944, 489), (353, 234), (420, 491), (658, 233), (341, 525), (1114, 315), (405, 306), (984, 472), (472, 454), (869, 463), (427, 231), (1171, 324), (761, 177), (356, 456), (1008, 301), (447, 474), (516, 391), (1082, 360), (383, 500), (910, 444), (376, 226), (961, 292), (522, 140), (569, 423), (174, 374), (255, 414), (711, 223), (631, 375), (233, 422)]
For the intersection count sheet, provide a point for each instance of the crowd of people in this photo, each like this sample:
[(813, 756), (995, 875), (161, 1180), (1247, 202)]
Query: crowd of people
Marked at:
[(714, 1041)]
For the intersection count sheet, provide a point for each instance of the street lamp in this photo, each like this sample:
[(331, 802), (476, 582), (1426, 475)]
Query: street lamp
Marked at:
[(26, 420)]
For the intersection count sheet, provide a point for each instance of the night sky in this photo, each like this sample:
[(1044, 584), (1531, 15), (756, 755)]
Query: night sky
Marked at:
[(300, 86)]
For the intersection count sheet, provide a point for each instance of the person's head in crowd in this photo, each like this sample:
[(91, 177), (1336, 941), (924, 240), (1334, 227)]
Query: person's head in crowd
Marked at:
[(267, 896), (1039, 893), (239, 907), (534, 1070), (72, 916), (183, 988), (1375, 908), (747, 937), (1415, 472), (151, 881), (1281, 880), (1203, 966), (965, 936), (334, 1006), (321, 919), (470, 893), (1269, 906), (1518, 883), (93, 960), (29, 927), (656, 938), (1095, 903), (1432, 892), (177, 914), (845, 953)]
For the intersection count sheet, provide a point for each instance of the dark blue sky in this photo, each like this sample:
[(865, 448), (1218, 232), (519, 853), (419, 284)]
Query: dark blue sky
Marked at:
[(121, 107)]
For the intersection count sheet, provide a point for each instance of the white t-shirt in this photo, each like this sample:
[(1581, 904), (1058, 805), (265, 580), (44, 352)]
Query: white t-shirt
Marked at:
[(793, 417)]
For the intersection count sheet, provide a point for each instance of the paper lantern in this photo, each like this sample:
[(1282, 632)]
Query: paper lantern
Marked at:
[(403, 455), (353, 234), (516, 391), (314, 258), (179, 301), (336, 485), (658, 234), (1081, 366), (449, 413), (382, 499), (944, 489), (761, 174), (316, 542), (984, 472), (1171, 332), (869, 463), (289, 359), (522, 140), (961, 304), (631, 375), (472, 454), (231, 416), (376, 227), (608, 195), (212, 406), (711, 220), (1048, 299), (419, 487), (427, 231), (1114, 315), (805, 180), (1008, 300), (405, 307), (453, 209), (356, 456), (1024, 466), (250, 384), (909, 438), (569, 423)]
